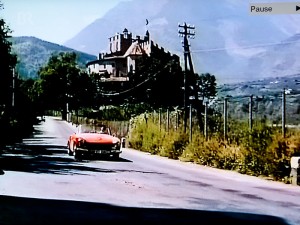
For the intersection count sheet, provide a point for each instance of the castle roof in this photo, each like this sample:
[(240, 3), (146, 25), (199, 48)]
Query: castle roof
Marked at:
[(134, 49)]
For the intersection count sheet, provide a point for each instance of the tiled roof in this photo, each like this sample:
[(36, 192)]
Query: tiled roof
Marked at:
[(134, 49)]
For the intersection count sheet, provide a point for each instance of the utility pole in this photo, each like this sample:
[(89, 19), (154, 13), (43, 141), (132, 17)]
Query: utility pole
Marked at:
[(186, 33)]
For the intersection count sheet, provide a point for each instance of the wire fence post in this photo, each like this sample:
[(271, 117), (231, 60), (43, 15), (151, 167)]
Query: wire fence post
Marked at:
[(191, 124), (177, 120), (283, 113), (225, 119), (159, 119), (250, 112), (168, 119), (205, 121)]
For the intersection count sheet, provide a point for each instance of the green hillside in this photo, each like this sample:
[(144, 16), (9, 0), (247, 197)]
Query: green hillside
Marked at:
[(33, 53)]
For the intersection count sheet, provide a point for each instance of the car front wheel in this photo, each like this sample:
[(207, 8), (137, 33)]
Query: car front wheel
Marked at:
[(70, 152), (77, 154)]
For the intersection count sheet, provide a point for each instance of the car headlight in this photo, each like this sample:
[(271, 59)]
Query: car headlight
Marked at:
[(81, 142), (116, 146)]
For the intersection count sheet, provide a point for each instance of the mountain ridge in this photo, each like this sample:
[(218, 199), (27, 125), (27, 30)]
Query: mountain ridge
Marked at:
[(32, 53), (227, 37)]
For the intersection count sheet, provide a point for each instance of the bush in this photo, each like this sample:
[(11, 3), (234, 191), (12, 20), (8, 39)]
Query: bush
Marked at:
[(145, 135), (256, 143), (173, 144), (280, 152), (261, 151), (214, 153), (136, 131)]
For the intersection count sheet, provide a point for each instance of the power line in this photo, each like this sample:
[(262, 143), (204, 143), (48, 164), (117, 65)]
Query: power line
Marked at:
[(126, 91), (136, 86), (244, 47)]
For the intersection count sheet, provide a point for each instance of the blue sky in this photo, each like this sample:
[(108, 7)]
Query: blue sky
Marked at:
[(54, 21)]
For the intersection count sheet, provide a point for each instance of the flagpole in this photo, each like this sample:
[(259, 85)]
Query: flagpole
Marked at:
[(147, 22)]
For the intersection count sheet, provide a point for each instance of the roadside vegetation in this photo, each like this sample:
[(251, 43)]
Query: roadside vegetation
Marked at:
[(259, 152), (14, 120)]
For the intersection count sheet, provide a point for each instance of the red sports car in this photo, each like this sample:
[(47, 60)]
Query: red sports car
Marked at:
[(88, 141)]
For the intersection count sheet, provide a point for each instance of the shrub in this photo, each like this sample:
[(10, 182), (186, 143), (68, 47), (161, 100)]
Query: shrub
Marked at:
[(280, 152), (151, 138), (145, 135), (136, 131), (214, 153), (256, 143), (173, 144)]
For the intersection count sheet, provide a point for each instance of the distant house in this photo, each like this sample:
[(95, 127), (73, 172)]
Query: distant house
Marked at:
[(124, 51)]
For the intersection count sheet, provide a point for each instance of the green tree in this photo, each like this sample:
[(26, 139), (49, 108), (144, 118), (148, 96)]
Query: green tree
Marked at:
[(162, 80), (62, 82), (206, 85), (7, 63), (203, 88)]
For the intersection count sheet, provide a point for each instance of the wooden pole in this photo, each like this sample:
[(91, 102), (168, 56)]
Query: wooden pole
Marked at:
[(283, 113), (225, 119), (205, 121), (250, 112), (191, 123)]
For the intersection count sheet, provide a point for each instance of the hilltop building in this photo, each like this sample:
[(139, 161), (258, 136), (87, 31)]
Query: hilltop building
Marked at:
[(124, 52)]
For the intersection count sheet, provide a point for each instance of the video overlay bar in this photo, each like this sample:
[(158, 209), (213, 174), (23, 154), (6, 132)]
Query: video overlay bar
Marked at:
[(274, 8)]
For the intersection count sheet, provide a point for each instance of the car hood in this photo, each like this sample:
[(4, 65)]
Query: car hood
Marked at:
[(98, 138)]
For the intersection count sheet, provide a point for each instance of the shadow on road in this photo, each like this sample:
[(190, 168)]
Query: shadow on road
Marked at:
[(34, 154), (51, 159), (19, 210)]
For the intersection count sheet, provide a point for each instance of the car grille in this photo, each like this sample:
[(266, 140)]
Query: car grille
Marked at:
[(93, 146)]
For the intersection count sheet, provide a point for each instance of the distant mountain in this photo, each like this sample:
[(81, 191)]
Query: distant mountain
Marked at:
[(229, 42), (33, 53), (280, 59)]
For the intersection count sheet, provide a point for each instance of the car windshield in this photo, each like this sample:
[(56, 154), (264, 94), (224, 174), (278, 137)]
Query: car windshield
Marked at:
[(101, 129)]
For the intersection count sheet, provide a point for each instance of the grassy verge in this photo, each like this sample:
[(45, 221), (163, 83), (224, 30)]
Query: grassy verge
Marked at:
[(259, 152)]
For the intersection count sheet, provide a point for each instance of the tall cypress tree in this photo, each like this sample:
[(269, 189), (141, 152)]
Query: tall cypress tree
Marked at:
[(7, 63)]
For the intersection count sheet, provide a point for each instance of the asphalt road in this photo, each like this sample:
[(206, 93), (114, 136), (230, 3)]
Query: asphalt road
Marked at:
[(42, 184)]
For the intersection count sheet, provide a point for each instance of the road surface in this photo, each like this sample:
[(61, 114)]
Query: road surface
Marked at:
[(38, 172)]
